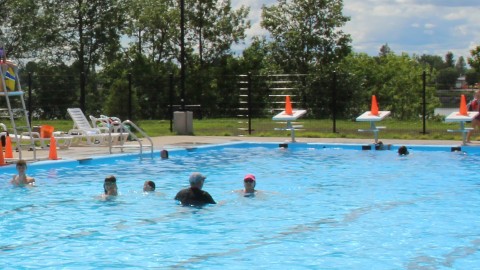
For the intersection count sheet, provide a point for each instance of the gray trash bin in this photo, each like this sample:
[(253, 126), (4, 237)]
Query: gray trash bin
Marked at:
[(183, 122)]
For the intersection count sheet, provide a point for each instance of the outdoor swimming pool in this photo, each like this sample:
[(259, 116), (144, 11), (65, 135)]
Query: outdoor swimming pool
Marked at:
[(322, 208)]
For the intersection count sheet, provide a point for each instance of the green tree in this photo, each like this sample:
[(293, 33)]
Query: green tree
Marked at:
[(21, 37), (395, 80), (306, 35), (212, 28), (85, 31), (447, 78), (385, 50), (472, 77), (399, 86), (431, 62), (117, 101), (53, 88), (461, 65), (153, 27), (449, 60), (474, 61)]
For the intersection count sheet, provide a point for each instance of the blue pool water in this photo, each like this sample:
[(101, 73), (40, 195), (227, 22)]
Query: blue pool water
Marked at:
[(321, 208)]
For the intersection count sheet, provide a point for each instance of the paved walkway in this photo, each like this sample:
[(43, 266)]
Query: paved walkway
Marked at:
[(172, 142)]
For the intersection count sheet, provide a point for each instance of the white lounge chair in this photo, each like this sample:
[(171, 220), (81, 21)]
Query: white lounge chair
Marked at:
[(83, 132), (63, 141)]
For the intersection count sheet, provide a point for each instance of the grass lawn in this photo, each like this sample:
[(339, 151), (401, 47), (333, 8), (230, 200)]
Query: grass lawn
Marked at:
[(312, 128)]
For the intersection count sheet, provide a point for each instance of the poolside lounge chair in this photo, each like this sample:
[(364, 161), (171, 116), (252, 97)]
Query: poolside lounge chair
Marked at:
[(105, 121), (83, 132), (63, 140)]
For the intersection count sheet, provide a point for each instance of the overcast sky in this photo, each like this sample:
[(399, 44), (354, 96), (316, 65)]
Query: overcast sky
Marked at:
[(412, 26)]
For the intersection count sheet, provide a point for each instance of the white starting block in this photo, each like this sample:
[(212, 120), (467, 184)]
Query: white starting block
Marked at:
[(369, 117), (288, 118), (460, 118)]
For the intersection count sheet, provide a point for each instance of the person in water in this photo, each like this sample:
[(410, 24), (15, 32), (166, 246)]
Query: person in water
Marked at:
[(194, 195), (110, 187), (249, 183), (22, 179), (149, 186), (402, 150)]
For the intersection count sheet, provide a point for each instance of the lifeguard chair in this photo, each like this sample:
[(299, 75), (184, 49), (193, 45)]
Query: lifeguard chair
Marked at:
[(10, 88)]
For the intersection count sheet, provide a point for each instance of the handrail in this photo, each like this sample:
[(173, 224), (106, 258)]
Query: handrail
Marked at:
[(130, 133)]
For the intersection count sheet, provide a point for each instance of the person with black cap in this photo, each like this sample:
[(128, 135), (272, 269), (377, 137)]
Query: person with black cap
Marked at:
[(194, 195)]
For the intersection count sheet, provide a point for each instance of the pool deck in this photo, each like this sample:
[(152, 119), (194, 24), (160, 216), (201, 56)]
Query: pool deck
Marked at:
[(173, 142)]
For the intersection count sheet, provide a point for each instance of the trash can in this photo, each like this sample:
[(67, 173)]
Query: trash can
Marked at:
[(46, 131), (183, 122)]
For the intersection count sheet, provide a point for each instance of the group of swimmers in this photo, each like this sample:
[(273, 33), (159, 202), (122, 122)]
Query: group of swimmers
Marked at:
[(193, 195)]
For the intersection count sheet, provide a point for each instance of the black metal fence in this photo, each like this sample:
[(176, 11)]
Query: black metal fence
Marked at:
[(241, 97)]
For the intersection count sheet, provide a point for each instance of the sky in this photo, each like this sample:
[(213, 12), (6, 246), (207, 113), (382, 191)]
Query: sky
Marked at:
[(432, 27)]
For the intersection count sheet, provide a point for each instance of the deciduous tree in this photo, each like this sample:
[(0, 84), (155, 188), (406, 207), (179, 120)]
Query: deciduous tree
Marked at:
[(306, 34)]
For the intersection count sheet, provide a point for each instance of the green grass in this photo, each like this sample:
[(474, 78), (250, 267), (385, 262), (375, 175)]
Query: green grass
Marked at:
[(312, 128)]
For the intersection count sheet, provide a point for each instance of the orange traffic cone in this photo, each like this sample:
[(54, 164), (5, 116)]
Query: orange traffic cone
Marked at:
[(463, 105), (53, 149), (8, 147), (2, 159), (374, 108), (288, 106)]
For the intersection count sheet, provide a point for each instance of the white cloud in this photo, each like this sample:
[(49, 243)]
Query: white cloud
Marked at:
[(412, 26)]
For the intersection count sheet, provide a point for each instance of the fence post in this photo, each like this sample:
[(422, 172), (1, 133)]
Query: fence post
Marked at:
[(30, 99), (424, 105), (130, 96), (334, 101), (170, 110), (82, 91), (249, 93)]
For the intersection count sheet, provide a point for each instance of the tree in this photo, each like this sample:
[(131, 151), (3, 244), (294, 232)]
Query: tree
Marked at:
[(85, 31), (447, 78), (53, 89), (449, 60), (212, 28), (474, 61), (153, 27), (472, 77), (461, 65), (432, 61), (395, 80), (117, 101), (385, 50), (306, 34), (19, 36)]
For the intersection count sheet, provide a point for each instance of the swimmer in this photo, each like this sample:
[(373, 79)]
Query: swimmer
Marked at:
[(110, 187), (149, 186), (402, 150), (21, 179), (194, 195), (249, 183)]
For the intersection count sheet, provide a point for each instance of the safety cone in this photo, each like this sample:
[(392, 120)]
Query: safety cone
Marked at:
[(288, 106), (8, 147), (2, 159), (53, 149), (374, 108), (463, 105)]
